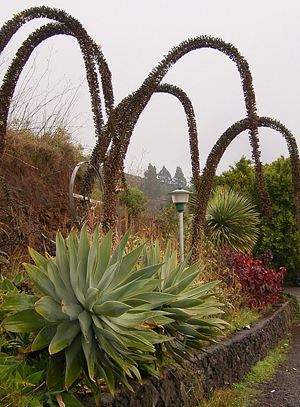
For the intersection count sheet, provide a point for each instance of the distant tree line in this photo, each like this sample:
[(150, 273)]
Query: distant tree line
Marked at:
[(156, 184)]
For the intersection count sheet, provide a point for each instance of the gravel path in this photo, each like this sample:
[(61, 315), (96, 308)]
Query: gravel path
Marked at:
[(284, 389), (294, 291)]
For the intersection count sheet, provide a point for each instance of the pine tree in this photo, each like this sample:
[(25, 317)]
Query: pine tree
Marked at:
[(179, 180), (164, 176), (151, 184)]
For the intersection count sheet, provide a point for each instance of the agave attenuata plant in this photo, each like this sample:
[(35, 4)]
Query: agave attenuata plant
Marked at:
[(109, 313), (88, 309), (192, 307)]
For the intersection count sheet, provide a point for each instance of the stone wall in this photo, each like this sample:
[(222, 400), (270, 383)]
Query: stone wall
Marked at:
[(222, 364)]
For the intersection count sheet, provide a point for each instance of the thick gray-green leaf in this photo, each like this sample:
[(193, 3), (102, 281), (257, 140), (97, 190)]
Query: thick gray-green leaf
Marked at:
[(72, 310), (40, 261), (111, 308), (64, 292), (85, 321), (127, 264), (72, 243), (156, 298), (50, 309), (62, 259), (129, 290), (73, 362), (43, 338), (65, 334), (183, 284), (41, 281), (143, 274), (93, 258), (198, 290), (117, 254), (104, 256), (26, 321), (83, 254), (89, 346), (18, 302), (92, 296)]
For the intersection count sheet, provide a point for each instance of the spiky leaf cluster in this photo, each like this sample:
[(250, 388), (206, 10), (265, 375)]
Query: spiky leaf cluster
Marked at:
[(232, 220), (191, 306), (87, 311), (106, 313)]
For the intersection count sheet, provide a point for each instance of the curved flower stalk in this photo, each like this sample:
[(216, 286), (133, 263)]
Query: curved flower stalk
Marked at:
[(192, 127), (116, 133), (192, 130), (127, 113), (214, 158), (91, 52)]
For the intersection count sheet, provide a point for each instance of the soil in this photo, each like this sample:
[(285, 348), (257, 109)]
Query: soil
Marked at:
[(284, 389)]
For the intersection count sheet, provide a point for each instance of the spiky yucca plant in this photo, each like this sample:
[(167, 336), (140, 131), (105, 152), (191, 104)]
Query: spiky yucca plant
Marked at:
[(88, 310), (232, 220), (191, 306)]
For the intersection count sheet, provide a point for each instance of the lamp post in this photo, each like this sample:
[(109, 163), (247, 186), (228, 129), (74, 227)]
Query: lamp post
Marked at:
[(180, 198)]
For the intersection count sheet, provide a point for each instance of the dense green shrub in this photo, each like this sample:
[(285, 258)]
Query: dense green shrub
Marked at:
[(134, 199), (23, 374), (282, 236), (241, 178)]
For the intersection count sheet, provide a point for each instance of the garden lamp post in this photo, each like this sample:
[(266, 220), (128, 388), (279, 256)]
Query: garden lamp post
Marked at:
[(180, 198)]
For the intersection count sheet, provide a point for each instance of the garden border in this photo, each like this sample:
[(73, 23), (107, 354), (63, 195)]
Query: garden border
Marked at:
[(222, 364)]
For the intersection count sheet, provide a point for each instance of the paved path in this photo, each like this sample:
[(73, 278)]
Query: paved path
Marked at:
[(294, 291), (284, 389)]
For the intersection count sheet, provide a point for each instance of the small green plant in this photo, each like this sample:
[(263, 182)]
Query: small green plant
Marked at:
[(241, 318), (22, 374), (22, 383)]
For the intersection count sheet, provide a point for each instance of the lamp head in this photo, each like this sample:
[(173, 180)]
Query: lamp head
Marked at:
[(180, 198)]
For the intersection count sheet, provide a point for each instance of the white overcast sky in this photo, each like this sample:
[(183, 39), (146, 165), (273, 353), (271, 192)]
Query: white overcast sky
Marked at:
[(136, 34)]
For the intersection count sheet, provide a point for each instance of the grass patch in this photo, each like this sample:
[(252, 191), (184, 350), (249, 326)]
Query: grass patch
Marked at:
[(244, 393), (240, 318), (295, 303)]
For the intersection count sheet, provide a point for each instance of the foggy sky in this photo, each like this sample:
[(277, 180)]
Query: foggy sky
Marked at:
[(136, 34)]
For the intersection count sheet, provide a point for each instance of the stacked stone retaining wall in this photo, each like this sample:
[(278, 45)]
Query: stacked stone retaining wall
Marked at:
[(221, 364)]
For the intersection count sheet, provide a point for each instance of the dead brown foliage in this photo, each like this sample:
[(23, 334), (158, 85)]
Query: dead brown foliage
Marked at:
[(34, 177)]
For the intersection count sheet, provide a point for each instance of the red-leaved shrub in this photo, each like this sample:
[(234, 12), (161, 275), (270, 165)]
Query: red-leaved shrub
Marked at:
[(260, 284)]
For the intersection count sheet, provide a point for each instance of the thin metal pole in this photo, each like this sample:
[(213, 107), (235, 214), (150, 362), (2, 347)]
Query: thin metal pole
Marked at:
[(181, 238)]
